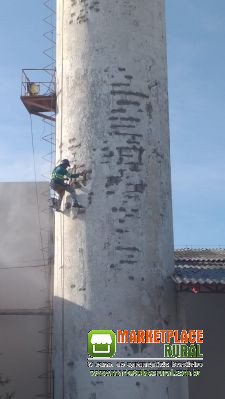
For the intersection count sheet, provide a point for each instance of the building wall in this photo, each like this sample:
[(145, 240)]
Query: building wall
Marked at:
[(206, 311), (24, 289)]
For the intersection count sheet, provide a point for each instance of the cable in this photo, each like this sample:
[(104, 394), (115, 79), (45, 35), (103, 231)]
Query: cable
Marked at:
[(36, 189), (61, 216), (22, 267)]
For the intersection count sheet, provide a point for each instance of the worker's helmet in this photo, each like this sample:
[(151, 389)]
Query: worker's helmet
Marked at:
[(65, 162)]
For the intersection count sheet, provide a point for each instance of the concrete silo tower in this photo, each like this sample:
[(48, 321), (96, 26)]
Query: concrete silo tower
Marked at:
[(112, 262)]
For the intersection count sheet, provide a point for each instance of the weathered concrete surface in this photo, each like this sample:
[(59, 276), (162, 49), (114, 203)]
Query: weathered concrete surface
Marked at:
[(24, 285), (112, 263)]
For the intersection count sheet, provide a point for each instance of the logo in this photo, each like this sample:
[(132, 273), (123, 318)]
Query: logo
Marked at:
[(101, 343)]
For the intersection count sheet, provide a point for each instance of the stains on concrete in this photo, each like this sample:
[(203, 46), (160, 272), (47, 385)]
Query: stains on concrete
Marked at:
[(143, 346), (81, 9), (120, 84), (129, 77), (118, 110), (115, 126), (128, 262), (128, 102), (149, 109), (125, 150), (118, 248), (130, 119), (113, 180), (152, 85), (70, 364), (74, 146), (113, 118), (129, 93), (108, 154), (114, 267), (157, 153), (134, 347), (130, 155), (132, 141), (137, 188), (72, 139), (90, 197), (117, 133)]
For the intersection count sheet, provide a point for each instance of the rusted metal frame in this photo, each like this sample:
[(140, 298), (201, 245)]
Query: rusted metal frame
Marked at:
[(45, 108), (50, 118)]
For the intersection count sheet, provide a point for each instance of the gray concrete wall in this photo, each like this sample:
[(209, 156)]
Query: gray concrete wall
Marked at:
[(206, 311), (112, 263), (24, 289)]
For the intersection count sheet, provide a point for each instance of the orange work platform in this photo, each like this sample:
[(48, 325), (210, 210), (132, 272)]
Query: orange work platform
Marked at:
[(38, 92), (38, 105)]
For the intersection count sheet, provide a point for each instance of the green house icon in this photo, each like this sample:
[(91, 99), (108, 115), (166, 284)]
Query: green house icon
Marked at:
[(101, 343)]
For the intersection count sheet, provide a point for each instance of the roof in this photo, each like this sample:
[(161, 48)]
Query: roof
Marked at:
[(101, 339), (204, 267), (204, 255)]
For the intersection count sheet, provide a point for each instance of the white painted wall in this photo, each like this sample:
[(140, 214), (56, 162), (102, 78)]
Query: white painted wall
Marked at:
[(24, 287), (112, 263)]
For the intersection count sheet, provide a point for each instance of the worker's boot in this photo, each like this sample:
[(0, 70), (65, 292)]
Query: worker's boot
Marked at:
[(53, 203), (76, 205)]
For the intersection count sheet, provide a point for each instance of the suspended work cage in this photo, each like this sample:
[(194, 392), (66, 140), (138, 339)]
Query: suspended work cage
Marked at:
[(38, 92)]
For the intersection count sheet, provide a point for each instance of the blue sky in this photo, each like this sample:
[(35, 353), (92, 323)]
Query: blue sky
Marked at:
[(196, 65), (196, 68), (22, 44)]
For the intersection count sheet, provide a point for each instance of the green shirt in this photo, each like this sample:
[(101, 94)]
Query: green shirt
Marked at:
[(59, 174)]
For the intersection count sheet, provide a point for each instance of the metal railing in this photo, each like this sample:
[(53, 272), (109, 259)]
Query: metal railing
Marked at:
[(38, 82)]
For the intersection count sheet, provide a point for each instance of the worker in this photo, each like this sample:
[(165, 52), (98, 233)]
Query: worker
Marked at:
[(33, 88), (59, 175)]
